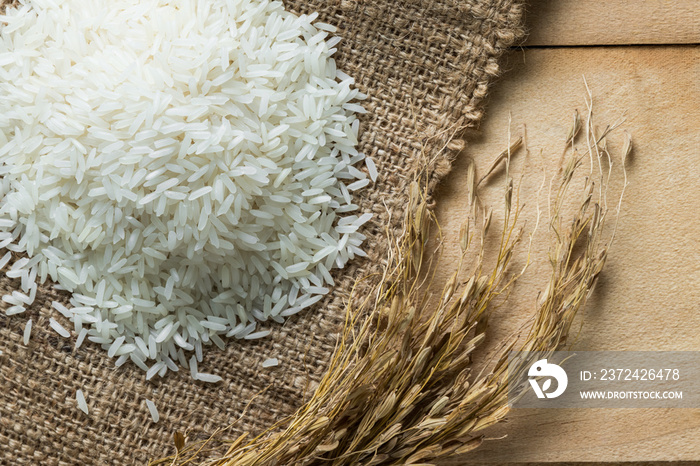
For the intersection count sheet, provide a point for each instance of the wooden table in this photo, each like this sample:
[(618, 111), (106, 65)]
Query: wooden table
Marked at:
[(640, 58)]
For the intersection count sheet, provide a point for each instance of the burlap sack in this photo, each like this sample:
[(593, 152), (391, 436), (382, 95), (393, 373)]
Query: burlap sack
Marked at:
[(426, 66)]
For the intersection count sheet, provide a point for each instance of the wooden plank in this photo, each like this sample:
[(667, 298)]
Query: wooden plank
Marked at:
[(613, 22), (648, 295)]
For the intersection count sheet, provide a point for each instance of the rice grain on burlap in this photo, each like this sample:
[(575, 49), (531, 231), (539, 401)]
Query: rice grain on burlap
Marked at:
[(426, 66)]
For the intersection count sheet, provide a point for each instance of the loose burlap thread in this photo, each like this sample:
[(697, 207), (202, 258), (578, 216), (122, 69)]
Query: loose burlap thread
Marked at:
[(426, 67)]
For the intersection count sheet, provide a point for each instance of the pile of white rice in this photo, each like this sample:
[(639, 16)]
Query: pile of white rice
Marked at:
[(184, 168)]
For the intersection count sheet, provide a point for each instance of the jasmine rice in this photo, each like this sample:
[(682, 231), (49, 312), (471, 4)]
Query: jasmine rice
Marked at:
[(185, 169), (153, 410), (80, 398)]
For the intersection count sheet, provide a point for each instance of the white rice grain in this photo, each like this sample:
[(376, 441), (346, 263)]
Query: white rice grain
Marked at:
[(81, 337), (58, 328), (5, 259), (271, 362), (257, 335), (27, 332), (82, 404), (209, 378), (153, 410)]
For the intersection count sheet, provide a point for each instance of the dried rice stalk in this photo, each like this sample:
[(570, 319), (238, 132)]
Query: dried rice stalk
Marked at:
[(399, 389)]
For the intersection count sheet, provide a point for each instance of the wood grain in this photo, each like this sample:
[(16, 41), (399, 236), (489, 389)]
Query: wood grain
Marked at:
[(649, 295), (613, 22)]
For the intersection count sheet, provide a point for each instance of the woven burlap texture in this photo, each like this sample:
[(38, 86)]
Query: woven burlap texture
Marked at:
[(426, 66)]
